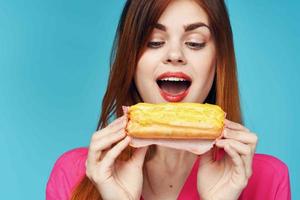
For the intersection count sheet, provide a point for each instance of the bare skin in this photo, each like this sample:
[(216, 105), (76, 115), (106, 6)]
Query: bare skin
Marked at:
[(114, 179), (193, 53), (167, 173), (125, 180)]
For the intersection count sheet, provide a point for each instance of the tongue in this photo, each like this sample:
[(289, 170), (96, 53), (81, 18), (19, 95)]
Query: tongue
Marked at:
[(173, 87)]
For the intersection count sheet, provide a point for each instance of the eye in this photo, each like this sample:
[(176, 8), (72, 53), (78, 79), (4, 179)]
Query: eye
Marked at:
[(195, 45), (155, 44)]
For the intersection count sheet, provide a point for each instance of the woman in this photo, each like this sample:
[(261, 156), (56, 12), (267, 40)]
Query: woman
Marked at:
[(190, 37)]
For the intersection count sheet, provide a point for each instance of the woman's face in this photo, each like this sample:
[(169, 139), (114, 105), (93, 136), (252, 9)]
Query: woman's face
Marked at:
[(178, 63)]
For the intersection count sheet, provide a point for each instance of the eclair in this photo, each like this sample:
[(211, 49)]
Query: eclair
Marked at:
[(175, 121)]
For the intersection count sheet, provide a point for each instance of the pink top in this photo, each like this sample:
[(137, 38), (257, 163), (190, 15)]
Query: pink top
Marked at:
[(270, 178)]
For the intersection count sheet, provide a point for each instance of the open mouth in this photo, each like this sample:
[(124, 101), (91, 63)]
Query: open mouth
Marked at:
[(174, 87)]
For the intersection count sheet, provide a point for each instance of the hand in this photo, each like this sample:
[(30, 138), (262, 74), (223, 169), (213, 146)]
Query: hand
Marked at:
[(226, 178), (115, 179)]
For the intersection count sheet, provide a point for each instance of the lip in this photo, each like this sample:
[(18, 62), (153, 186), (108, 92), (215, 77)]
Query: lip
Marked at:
[(175, 74), (174, 98), (178, 97)]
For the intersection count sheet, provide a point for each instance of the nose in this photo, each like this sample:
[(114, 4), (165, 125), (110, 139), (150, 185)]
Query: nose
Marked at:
[(175, 56)]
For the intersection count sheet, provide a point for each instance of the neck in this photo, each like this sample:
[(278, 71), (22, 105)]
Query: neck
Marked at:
[(165, 173), (172, 158)]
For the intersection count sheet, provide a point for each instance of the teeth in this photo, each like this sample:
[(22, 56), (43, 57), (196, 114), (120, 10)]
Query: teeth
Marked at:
[(172, 79)]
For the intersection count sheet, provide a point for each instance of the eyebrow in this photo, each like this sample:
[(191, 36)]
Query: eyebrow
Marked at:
[(189, 27)]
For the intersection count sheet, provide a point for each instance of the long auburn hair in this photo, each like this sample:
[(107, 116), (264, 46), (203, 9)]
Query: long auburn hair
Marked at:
[(136, 23)]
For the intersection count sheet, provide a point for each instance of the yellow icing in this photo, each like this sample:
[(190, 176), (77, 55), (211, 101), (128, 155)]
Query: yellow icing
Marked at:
[(178, 114)]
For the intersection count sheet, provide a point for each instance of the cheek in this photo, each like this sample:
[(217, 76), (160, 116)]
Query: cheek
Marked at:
[(144, 71), (144, 77), (204, 64), (147, 64), (204, 71)]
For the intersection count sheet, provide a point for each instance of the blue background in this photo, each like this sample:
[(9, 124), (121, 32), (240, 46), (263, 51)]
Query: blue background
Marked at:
[(54, 68)]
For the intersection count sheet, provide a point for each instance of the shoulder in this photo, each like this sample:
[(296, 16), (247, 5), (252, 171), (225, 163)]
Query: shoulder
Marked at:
[(67, 171), (73, 157), (269, 163), (269, 180)]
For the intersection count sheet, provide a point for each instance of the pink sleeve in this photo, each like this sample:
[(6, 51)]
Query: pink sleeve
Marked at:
[(66, 173)]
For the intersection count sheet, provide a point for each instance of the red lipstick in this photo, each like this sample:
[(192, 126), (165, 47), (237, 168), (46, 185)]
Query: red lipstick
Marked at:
[(174, 74), (174, 97)]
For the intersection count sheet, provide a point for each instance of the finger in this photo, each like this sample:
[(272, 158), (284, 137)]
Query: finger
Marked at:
[(113, 153), (235, 126), (244, 137), (240, 148), (108, 140), (246, 155), (248, 165), (121, 124), (139, 156), (236, 160), (117, 121), (104, 143), (113, 123)]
